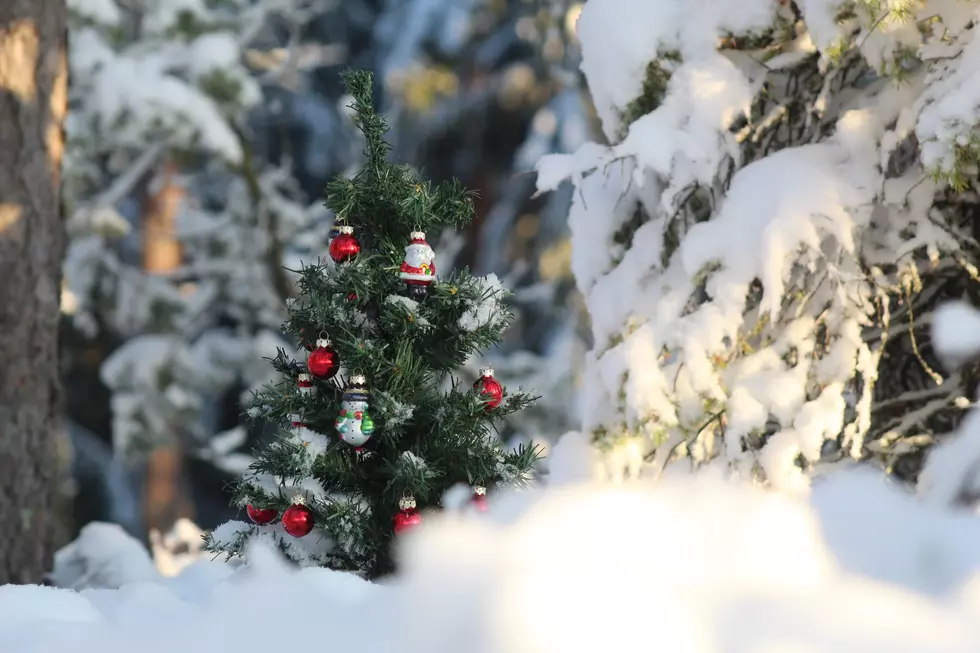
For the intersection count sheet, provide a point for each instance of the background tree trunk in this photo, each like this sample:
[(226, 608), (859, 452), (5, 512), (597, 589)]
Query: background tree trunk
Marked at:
[(166, 497), (33, 103)]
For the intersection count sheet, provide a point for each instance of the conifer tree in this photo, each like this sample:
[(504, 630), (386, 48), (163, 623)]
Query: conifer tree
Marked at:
[(376, 426)]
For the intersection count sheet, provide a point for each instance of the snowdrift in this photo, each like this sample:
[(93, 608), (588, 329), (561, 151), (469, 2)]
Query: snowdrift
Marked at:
[(692, 565)]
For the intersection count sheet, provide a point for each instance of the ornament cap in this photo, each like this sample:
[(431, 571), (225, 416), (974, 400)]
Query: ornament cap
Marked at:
[(479, 490), (358, 379), (486, 371), (303, 377), (322, 342), (296, 418), (407, 502), (417, 235), (345, 229), (299, 500)]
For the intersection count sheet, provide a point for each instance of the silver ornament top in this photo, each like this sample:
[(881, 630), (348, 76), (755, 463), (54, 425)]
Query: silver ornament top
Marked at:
[(346, 229), (417, 235), (486, 371), (358, 379), (407, 502)]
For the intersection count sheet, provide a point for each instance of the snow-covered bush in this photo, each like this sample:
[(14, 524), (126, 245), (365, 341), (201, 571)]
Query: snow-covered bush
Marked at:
[(786, 192), (160, 98)]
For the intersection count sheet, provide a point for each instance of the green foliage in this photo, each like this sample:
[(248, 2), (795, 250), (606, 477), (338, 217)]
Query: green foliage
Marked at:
[(187, 27), (655, 82), (430, 435), (223, 88)]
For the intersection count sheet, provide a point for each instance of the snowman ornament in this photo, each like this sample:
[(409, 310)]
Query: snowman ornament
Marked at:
[(418, 269), (354, 424)]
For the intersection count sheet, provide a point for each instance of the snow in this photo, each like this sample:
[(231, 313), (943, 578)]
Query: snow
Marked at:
[(821, 21), (103, 556), (135, 93), (861, 565), (757, 232), (956, 332), (948, 108), (101, 11), (487, 310), (724, 254), (620, 37)]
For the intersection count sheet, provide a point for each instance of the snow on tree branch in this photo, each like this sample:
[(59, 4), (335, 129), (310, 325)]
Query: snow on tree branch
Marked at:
[(783, 181)]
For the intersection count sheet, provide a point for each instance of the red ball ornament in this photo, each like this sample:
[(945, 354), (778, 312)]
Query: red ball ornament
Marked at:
[(408, 516), (298, 519), (489, 388), (261, 515), (479, 500), (322, 361), (345, 246)]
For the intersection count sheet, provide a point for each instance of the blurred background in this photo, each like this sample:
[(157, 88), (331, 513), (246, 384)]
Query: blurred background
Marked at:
[(200, 138)]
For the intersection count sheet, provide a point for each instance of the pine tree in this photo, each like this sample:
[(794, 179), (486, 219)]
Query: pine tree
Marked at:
[(410, 431), (761, 260)]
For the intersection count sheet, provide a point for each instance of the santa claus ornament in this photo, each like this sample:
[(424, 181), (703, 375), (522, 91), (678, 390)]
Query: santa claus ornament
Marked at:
[(322, 361), (489, 388), (419, 267), (344, 247), (353, 423), (297, 520), (408, 516), (304, 382)]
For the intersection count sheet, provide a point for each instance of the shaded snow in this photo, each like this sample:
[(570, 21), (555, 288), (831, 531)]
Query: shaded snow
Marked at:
[(863, 567)]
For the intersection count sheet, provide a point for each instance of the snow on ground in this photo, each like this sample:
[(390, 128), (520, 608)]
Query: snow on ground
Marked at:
[(693, 565)]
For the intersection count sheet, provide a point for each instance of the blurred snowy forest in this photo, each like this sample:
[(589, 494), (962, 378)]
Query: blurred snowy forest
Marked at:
[(200, 138)]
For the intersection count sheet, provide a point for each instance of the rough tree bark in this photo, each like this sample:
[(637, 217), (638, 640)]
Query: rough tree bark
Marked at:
[(33, 103)]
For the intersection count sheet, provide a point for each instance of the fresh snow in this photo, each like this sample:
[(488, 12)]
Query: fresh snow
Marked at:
[(546, 571), (741, 268), (488, 309), (620, 37), (956, 332)]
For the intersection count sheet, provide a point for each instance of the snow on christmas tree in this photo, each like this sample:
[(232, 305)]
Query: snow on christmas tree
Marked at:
[(371, 438), (788, 190)]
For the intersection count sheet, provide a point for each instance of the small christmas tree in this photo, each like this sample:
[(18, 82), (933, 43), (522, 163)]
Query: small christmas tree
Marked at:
[(377, 427)]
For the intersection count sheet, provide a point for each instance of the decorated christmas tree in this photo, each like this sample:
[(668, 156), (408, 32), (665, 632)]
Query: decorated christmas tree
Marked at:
[(376, 427)]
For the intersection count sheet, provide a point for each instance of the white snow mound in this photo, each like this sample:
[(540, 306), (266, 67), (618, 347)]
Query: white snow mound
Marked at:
[(694, 565)]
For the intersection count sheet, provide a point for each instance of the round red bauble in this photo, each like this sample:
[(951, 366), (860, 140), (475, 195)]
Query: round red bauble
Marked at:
[(322, 361), (479, 500), (345, 246), (406, 520), (408, 516), (261, 515), (297, 520), (489, 388)]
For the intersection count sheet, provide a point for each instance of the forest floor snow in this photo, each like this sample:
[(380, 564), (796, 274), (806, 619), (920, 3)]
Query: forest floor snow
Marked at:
[(693, 565)]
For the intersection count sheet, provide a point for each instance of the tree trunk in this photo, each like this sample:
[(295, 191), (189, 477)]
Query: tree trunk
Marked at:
[(165, 494), (33, 102)]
